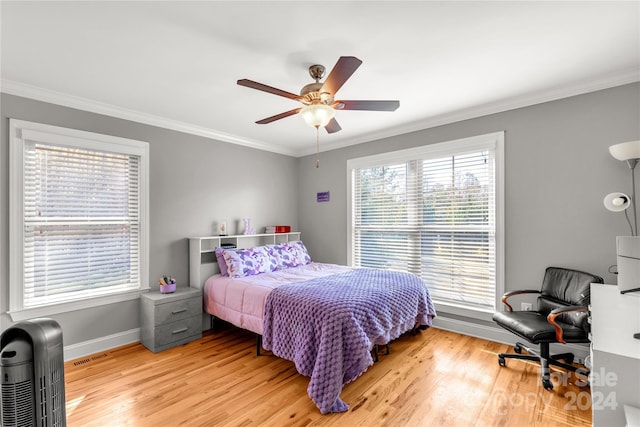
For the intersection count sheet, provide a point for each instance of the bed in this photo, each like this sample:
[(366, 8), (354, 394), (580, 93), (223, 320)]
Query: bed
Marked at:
[(326, 318)]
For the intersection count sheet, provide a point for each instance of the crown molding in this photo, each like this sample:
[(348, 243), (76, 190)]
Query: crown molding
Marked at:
[(37, 93), (631, 76), (45, 95)]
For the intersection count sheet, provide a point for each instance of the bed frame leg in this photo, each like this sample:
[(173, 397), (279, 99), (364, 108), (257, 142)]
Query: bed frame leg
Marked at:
[(258, 344), (376, 353), (418, 328)]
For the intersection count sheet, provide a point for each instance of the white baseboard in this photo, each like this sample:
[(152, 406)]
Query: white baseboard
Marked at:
[(500, 335), (75, 351), (496, 334)]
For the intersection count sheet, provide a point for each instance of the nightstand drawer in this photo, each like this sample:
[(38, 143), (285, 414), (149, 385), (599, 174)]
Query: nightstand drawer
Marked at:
[(176, 310), (177, 331)]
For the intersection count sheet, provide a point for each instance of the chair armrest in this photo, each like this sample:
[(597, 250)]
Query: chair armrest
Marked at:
[(512, 293), (551, 318)]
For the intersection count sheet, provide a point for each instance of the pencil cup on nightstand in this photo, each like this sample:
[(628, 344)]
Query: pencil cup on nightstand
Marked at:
[(167, 285)]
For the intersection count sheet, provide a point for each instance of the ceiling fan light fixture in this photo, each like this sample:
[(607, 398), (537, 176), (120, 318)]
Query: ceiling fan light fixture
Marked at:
[(317, 115), (318, 99)]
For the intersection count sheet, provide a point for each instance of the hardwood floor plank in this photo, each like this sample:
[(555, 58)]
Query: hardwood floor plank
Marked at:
[(433, 378)]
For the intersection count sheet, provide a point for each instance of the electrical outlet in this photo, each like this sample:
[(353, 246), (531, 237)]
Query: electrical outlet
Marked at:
[(526, 306)]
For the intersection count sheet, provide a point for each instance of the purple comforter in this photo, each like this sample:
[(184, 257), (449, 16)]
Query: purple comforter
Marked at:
[(328, 326)]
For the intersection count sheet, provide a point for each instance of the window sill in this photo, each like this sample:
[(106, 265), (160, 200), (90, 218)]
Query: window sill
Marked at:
[(32, 313)]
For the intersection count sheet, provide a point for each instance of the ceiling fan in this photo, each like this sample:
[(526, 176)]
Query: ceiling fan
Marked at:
[(318, 98)]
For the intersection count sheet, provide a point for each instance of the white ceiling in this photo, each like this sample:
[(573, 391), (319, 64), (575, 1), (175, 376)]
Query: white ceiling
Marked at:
[(175, 64)]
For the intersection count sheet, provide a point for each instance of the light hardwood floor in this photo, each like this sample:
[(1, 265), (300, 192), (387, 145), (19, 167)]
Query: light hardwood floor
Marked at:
[(435, 378)]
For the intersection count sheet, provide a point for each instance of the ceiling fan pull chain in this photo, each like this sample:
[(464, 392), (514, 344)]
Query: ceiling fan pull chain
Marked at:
[(317, 146)]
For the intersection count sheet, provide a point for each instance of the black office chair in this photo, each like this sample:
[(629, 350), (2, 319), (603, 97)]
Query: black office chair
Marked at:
[(561, 317)]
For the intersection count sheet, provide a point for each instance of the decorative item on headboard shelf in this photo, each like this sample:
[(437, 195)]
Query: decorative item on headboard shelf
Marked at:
[(222, 227), (247, 227), (271, 229), (167, 285)]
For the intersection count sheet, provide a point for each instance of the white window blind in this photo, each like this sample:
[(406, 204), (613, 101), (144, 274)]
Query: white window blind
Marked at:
[(82, 219), (431, 211)]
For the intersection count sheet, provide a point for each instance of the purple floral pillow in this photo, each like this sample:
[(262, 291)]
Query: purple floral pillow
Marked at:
[(303, 256), (221, 262), (289, 254), (247, 262)]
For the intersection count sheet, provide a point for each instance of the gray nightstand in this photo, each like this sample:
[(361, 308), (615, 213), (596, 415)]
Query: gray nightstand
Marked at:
[(168, 320)]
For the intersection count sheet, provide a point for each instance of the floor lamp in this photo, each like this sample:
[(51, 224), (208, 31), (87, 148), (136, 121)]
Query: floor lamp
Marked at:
[(627, 247), (616, 202)]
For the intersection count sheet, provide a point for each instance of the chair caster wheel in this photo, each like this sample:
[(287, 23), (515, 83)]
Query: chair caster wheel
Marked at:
[(547, 384), (502, 361), (517, 349)]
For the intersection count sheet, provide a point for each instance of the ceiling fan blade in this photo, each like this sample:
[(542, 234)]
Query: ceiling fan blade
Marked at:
[(341, 72), (278, 116), (367, 105), (269, 89), (332, 126)]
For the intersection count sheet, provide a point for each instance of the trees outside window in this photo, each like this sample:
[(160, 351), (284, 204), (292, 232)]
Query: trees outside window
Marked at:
[(434, 212)]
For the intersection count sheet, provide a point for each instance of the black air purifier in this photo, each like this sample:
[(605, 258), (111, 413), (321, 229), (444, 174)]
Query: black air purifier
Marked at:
[(32, 375)]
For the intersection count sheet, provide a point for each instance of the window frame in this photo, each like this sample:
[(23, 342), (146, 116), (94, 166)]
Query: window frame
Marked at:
[(71, 138), (446, 148)]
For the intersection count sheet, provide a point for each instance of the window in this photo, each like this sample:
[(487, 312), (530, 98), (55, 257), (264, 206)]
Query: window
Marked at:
[(435, 211), (79, 219)]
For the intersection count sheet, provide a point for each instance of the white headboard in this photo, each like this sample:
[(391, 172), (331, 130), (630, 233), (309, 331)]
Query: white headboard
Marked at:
[(202, 257)]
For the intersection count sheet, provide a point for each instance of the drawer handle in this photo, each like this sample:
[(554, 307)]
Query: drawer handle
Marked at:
[(179, 311), (179, 331), (637, 336)]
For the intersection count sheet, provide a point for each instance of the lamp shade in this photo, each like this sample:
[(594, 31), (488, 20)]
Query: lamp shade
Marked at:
[(626, 150), (617, 202), (317, 115)]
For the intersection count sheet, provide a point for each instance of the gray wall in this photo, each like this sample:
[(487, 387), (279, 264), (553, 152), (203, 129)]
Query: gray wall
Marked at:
[(558, 170), (194, 181)]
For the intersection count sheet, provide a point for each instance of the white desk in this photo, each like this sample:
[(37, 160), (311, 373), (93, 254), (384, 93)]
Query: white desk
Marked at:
[(615, 372)]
